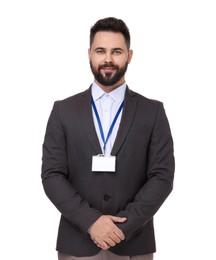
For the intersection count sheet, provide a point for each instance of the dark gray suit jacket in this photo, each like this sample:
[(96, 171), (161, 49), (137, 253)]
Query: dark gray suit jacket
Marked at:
[(141, 183)]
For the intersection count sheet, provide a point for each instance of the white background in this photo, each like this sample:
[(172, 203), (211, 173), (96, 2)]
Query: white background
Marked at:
[(43, 57)]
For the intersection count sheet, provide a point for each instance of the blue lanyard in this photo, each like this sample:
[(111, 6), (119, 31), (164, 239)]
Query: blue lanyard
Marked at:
[(100, 125)]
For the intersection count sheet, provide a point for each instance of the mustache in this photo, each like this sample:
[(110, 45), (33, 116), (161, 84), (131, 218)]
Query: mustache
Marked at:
[(110, 65)]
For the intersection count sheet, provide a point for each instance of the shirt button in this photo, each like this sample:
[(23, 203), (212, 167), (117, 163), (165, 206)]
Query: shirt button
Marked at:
[(106, 197)]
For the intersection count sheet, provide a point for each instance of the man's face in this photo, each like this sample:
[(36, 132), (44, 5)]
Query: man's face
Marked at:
[(109, 58)]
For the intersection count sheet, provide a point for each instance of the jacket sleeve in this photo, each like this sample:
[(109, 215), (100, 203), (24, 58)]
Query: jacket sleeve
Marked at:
[(55, 177), (160, 174)]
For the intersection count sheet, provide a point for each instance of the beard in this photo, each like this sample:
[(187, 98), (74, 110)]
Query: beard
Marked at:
[(109, 79)]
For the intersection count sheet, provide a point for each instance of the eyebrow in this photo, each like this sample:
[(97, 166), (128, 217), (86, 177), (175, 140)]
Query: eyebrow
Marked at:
[(113, 49)]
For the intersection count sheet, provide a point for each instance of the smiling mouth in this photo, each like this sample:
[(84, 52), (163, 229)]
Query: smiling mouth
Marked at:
[(108, 69)]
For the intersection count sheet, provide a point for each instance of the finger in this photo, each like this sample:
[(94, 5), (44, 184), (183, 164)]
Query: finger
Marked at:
[(116, 238), (97, 244), (110, 242), (117, 219), (104, 246), (118, 233)]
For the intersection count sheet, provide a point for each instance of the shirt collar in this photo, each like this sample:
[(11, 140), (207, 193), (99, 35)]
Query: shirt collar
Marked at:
[(117, 94)]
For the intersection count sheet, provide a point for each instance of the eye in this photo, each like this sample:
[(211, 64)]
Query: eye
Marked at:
[(100, 51), (117, 52)]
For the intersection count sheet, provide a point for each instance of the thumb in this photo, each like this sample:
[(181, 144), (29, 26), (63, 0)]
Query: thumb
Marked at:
[(118, 219)]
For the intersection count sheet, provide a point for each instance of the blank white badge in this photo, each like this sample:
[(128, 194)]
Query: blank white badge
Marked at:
[(103, 163)]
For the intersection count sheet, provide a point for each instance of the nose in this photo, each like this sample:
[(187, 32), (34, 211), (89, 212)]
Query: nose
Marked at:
[(108, 57)]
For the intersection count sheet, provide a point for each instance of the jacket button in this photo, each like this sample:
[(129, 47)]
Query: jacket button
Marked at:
[(106, 197)]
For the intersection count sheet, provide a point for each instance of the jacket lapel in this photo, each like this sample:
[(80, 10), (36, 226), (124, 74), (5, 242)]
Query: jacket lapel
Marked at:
[(85, 111), (129, 111)]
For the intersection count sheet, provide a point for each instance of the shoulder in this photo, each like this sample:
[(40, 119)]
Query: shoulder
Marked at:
[(143, 101), (151, 110), (74, 97), (72, 100), (70, 107)]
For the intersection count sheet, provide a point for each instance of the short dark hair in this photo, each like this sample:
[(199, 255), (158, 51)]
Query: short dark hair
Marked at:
[(110, 24)]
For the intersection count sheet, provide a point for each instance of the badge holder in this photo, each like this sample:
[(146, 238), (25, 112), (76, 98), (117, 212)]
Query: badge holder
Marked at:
[(103, 163)]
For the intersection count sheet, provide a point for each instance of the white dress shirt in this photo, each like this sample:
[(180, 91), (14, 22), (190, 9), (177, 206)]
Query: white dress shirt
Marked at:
[(107, 105)]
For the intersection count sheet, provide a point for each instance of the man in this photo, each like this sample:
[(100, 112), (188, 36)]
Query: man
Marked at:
[(108, 161)]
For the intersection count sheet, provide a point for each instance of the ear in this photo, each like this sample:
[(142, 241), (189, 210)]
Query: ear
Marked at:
[(130, 54), (89, 53)]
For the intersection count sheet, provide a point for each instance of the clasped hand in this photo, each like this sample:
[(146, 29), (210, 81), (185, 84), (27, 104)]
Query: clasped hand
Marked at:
[(105, 233)]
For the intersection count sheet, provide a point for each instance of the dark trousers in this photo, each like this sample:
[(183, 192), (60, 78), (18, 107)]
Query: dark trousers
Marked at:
[(105, 255)]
